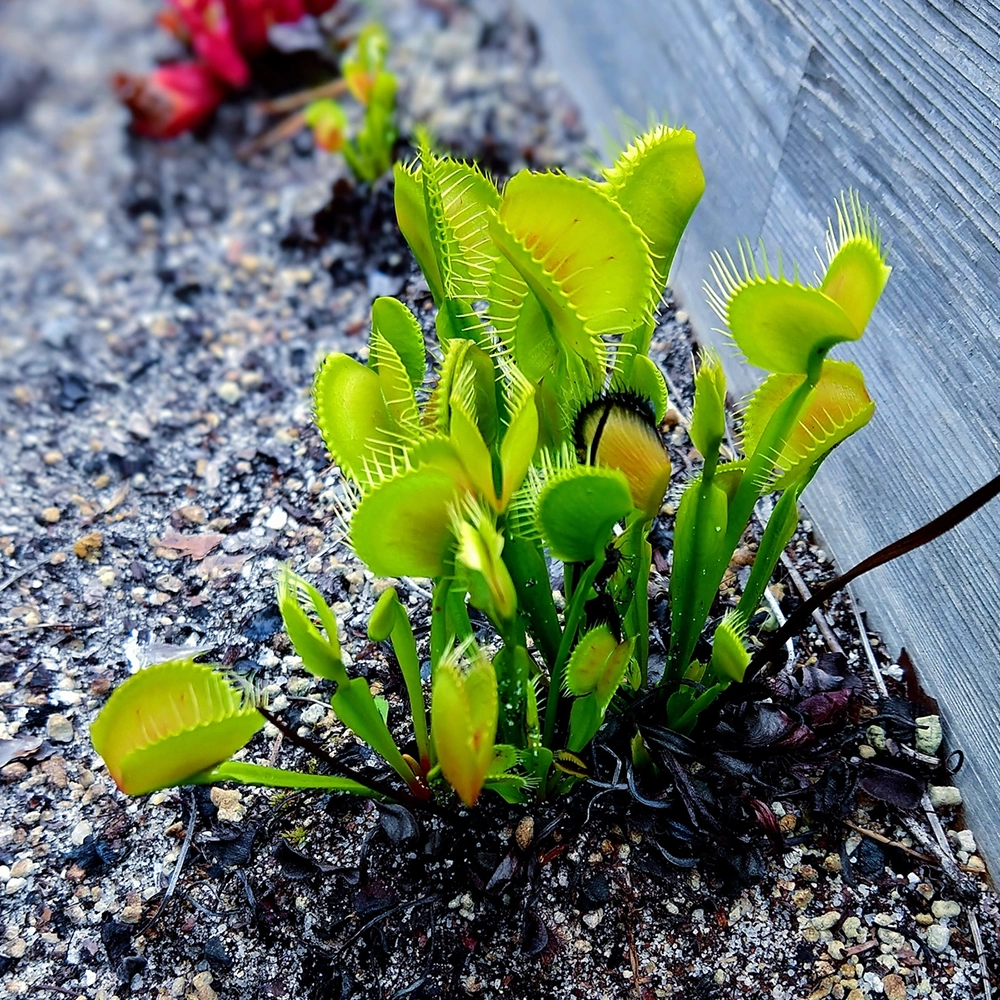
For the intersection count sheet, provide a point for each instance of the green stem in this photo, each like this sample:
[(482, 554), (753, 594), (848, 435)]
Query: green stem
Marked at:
[(527, 567), (642, 553), (405, 648), (276, 777), (439, 621), (574, 612), (761, 464)]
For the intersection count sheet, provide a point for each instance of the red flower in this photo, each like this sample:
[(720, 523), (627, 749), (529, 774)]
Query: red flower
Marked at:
[(254, 17), (317, 7), (171, 100), (212, 35)]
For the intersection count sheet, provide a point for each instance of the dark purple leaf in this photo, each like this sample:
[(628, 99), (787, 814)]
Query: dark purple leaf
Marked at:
[(504, 872), (398, 822), (534, 934), (826, 707), (833, 794), (889, 785), (298, 866)]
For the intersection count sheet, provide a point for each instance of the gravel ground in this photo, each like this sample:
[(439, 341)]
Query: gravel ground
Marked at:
[(162, 309)]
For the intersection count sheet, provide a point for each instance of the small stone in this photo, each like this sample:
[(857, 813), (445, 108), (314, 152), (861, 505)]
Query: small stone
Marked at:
[(836, 949), (963, 840), (52, 457), (976, 863), (593, 918), (168, 583), (22, 868), (876, 736), (924, 919), (13, 772), (87, 546), (202, 984), (938, 938), (824, 989), (277, 520), (855, 994), (832, 863), (57, 558), (313, 714), (50, 515), (229, 803), (107, 576), (229, 392), (59, 729), (81, 832), (15, 885), (826, 921), (944, 796), (852, 927), (192, 513), (928, 734), (802, 898), (894, 987), (945, 909), (866, 751), (525, 832), (893, 940), (788, 822)]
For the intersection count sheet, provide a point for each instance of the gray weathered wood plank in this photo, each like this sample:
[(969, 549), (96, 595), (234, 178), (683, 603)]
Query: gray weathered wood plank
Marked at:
[(794, 101)]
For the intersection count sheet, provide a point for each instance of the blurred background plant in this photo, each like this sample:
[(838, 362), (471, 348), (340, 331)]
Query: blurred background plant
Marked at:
[(224, 38)]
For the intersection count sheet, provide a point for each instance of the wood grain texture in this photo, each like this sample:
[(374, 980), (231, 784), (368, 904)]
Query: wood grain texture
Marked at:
[(792, 102)]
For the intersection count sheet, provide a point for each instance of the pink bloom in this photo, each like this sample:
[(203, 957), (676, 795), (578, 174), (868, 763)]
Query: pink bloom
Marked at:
[(317, 7), (254, 17), (171, 100), (212, 35)]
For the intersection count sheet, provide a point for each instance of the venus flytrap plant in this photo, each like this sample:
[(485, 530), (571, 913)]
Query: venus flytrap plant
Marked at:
[(528, 436)]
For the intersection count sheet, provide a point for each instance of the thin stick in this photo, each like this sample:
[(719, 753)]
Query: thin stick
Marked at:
[(882, 839), (939, 835), (285, 129), (23, 572), (927, 533), (818, 617), (292, 102), (176, 873), (867, 646)]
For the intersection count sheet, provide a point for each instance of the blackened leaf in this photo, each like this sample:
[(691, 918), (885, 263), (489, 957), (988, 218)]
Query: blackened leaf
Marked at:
[(596, 892), (869, 858), (296, 865), (504, 871), (889, 785), (829, 673), (374, 897), (833, 794), (398, 822), (767, 820), (534, 934), (215, 952), (234, 850), (94, 856), (117, 939)]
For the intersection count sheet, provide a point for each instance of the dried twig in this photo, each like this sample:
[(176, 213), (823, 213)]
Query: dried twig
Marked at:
[(292, 102), (285, 129), (866, 645), (176, 873), (889, 842), (818, 617)]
